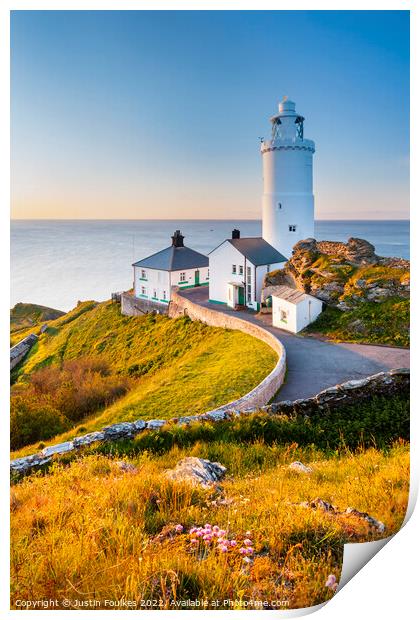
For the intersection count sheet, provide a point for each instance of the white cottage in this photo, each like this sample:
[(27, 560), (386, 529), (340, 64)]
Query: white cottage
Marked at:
[(293, 310), (176, 265), (237, 269)]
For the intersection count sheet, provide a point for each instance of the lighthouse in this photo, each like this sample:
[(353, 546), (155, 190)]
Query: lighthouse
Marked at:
[(288, 200)]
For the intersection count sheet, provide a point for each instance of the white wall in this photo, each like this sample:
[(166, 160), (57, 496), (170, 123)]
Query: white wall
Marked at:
[(162, 281), (287, 174), (290, 322), (308, 311), (221, 261), (298, 316), (190, 277), (156, 281), (220, 264)]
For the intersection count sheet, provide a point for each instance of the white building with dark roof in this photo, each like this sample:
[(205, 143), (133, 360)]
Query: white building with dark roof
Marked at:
[(293, 310), (237, 268), (176, 265)]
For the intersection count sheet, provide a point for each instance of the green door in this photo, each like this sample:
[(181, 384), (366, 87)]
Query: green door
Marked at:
[(197, 278), (241, 295)]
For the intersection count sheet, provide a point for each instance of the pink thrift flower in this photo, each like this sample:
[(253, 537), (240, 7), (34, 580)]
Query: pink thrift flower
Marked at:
[(247, 542), (223, 548), (331, 583), (242, 550), (222, 533), (249, 550), (233, 543), (194, 541), (216, 528), (199, 533), (247, 560), (207, 526), (179, 528), (193, 530)]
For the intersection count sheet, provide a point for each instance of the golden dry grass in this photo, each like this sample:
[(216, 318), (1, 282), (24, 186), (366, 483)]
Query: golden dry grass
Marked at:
[(88, 531)]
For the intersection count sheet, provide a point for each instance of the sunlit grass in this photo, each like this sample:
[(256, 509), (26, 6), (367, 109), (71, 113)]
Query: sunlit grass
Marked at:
[(89, 530)]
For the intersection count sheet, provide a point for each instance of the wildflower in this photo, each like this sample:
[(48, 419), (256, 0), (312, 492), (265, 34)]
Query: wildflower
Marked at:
[(179, 528), (199, 533), (249, 550), (247, 542), (194, 541), (193, 530), (247, 560), (216, 528), (207, 526), (248, 533), (221, 533), (233, 543), (331, 583), (223, 548), (242, 550)]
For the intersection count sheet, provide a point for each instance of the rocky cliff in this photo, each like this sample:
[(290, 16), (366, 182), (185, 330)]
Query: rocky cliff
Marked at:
[(344, 275)]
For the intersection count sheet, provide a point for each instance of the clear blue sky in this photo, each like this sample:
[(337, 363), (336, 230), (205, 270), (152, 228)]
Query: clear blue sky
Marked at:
[(158, 114)]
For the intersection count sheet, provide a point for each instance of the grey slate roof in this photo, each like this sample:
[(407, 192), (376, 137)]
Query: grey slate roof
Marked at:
[(174, 259), (258, 251), (293, 295)]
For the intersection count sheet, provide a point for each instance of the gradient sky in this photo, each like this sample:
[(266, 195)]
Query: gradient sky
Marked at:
[(151, 114)]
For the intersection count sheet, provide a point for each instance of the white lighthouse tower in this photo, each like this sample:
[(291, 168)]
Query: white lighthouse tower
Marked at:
[(288, 200)]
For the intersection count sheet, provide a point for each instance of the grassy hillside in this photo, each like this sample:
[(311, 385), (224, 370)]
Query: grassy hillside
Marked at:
[(27, 318), (173, 367), (386, 323), (91, 527)]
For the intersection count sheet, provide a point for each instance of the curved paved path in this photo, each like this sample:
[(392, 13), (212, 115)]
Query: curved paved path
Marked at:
[(313, 365)]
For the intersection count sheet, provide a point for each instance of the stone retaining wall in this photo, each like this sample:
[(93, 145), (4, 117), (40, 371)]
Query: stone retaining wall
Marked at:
[(260, 395), (133, 306), (22, 348), (384, 383)]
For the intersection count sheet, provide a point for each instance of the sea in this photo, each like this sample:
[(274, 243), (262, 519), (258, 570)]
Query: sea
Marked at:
[(57, 263)]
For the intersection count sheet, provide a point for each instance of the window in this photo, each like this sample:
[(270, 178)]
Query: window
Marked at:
[(292, 227), (154, 293), (143, 290), (182, 276), (241, 270), (208, 274), (283, 316), (248, 294), (279, 205), (143, 274), (233, 268), (164, 295), (248, 273)]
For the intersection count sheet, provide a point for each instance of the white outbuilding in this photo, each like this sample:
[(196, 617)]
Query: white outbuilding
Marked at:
[(176, 265), (237, 268), (294, 310)]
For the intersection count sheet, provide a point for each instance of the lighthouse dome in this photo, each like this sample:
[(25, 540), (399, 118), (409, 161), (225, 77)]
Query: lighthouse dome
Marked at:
[(287, 107)]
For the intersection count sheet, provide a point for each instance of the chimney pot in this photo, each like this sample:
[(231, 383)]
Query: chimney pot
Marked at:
[(236, 234)]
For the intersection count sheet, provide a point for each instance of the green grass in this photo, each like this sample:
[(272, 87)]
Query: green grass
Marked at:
[(377, 323), (177, 367), (28, 318)]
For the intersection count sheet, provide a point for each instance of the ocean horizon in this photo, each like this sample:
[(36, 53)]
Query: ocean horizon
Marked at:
[(57, 263)]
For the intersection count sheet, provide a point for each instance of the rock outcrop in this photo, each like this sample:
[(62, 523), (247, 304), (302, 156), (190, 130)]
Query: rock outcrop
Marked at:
[(198, 472), (342, 274)]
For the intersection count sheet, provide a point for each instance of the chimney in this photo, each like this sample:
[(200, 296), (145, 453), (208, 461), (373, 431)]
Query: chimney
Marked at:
[(178, 239), (236, 234)]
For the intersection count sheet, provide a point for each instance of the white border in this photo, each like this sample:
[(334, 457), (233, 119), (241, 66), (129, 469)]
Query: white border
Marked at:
[(387, 586)]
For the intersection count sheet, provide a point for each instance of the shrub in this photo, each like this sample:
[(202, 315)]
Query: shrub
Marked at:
[(31, 421), (65, 393)]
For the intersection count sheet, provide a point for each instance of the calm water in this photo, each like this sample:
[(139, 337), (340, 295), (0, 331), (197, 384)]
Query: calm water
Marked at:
[(56, 263)]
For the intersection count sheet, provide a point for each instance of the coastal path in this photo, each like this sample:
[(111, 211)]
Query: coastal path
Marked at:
[(313, 364)]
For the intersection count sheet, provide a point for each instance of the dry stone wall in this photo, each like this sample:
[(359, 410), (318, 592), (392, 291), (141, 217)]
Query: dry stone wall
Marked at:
[(22, 348), (384, 383)]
